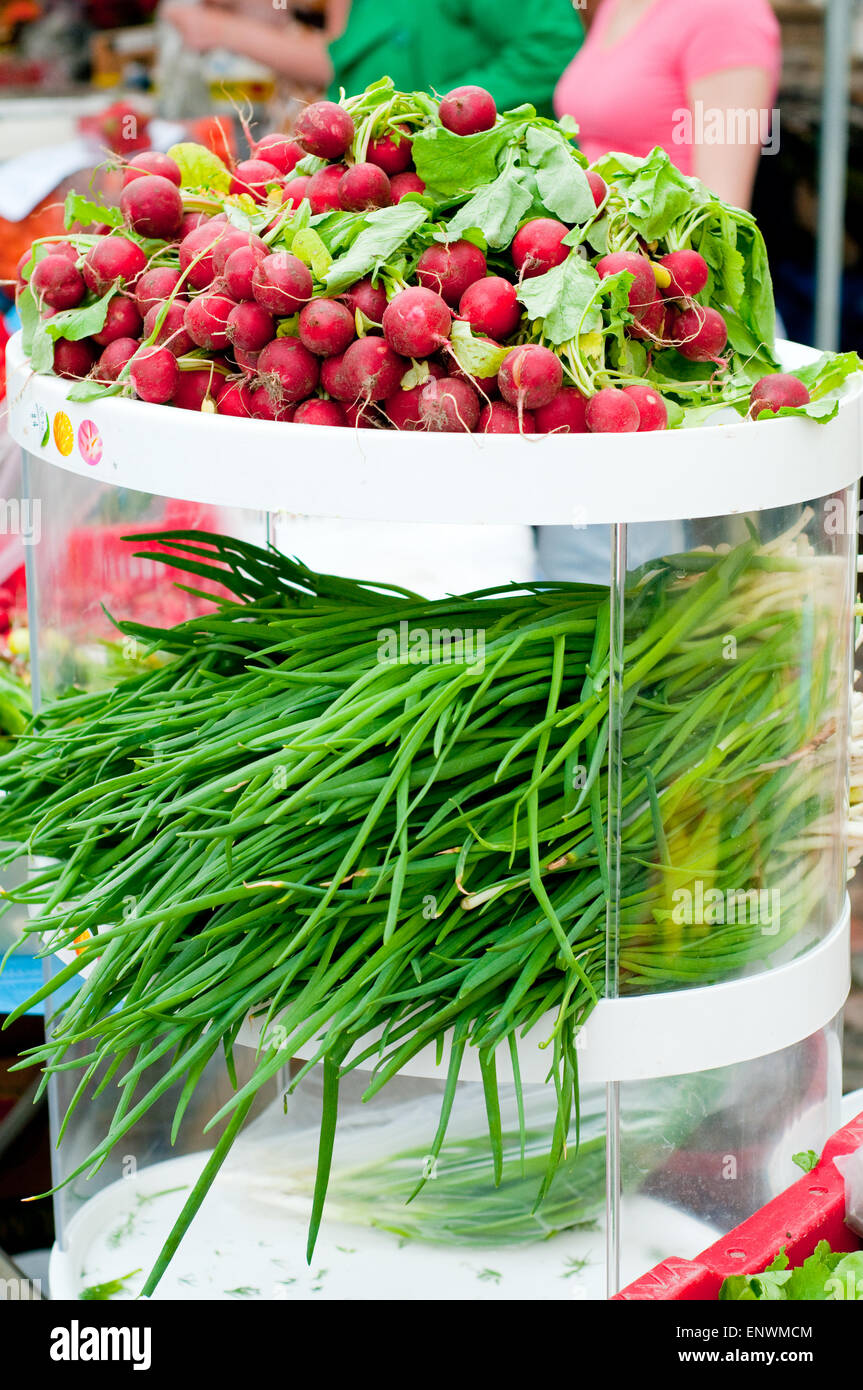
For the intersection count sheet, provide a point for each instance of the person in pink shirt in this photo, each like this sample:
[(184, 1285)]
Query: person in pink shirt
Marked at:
[(698, 77)]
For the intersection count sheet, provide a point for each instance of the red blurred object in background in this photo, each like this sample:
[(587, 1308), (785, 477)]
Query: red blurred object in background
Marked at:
[(121, 127)]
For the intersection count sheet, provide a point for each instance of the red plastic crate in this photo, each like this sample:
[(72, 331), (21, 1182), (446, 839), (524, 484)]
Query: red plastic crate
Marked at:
[(812, 1209)]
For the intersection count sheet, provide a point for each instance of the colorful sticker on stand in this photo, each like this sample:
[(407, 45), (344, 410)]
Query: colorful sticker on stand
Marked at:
[(64, 435), (40, 423), (90, 442)]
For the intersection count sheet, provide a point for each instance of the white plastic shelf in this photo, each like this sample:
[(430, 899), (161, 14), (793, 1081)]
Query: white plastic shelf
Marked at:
[(725, 468)]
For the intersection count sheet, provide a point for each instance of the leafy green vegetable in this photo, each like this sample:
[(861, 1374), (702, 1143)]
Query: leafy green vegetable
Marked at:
[(73, 324), (79, 209), (565, 298), (200, 167), (100, 1292), (495, 210), (823, 1277), (560, 176), (453, 165), (657, 194), (477, 356), (806, 1160), (385, 232)]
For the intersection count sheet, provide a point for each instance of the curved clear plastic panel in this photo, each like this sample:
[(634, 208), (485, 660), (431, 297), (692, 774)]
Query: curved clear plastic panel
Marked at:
[(730, 707), (726, 1146)]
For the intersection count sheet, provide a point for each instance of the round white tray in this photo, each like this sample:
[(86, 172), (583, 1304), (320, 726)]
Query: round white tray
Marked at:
[(580, 480), (248, 1243)]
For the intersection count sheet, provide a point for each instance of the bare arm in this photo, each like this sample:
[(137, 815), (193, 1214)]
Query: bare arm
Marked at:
[(735, 121), (295, 50)]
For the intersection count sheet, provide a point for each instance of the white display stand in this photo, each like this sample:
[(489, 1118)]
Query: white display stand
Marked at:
[(387, 475), (369, 475)]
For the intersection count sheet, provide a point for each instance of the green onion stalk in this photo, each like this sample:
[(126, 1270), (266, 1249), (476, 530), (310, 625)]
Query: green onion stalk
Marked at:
[(373, 855)]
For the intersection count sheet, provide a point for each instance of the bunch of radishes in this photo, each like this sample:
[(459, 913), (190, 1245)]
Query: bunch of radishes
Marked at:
[(236, 327)]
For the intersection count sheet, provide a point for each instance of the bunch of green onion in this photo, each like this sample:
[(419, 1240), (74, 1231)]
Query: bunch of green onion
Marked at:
[(377, 856)]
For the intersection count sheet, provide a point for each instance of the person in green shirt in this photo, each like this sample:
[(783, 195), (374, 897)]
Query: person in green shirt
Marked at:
[(515, 50)]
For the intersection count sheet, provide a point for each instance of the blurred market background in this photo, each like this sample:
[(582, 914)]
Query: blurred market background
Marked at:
[(82, 80)]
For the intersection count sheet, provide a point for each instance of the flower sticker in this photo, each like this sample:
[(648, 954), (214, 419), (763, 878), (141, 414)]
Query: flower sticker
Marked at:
[(90, 442)]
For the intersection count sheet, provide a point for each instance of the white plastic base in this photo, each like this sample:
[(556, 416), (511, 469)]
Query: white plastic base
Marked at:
[(242, 1246)]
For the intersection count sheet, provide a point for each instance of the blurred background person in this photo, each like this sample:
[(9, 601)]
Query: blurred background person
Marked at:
[(678, 73), (514, 50)]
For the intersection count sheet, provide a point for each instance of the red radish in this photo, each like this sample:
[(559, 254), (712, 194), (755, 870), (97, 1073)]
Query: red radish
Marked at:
[(611, 411), (193, 388), (642, 291), (651, 321), (499, 418), (296, 190), (392, 153), (154, 286), (319, 412), (364, 186), (402, 184), (538, 246), (200, 243), (239, 272), (121, 321), (288, 370), (688, 271), (491, 307), (333, 378), (700, 334), (370, 299), (468, 110), (323, 189), (281, 283), (115, 357), (598, 187), (55, 281), (252, 176), (449, 268), (60, 248), (172, 333), (76, 359), (206, 320), (250, 327), (448, 405), (152, 162), (416, 322), (152, 206), (232, 240), (280, 151), (191, 221), (236, 399), (402, 407), (358, 416), (111, 260), (773, 392), (325, 129), (372, 370), (652, 414), (154, 374), (248, 361), (530, 376), (564, 414), (326, 327), (265, 405), (487, 386)]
